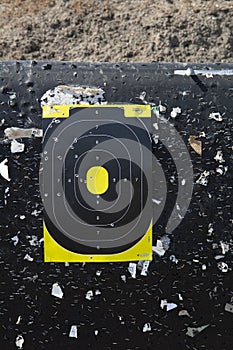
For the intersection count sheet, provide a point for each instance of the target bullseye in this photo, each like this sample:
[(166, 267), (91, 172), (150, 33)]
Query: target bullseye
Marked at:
[(97, 180)]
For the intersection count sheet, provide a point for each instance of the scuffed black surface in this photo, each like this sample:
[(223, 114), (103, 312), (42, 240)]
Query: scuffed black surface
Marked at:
[(25, 287)]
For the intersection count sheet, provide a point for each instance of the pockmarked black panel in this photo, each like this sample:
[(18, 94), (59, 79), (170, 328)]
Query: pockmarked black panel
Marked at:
[(182, 299)]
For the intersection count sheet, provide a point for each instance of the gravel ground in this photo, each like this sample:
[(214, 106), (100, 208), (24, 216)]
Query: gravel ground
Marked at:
[(113, 30)]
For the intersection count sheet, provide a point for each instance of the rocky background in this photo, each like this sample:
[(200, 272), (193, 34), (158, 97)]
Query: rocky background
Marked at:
[(117, 30)]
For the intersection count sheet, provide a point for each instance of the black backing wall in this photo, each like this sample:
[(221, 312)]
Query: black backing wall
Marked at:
[(121, 310)]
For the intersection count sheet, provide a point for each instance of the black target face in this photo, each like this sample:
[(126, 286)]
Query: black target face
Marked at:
[(97, 170)]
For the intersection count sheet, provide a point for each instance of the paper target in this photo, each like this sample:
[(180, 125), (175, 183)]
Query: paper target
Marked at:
[(96, 183)]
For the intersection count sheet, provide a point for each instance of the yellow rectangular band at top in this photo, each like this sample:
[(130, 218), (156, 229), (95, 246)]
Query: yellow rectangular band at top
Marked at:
[(130, 111)]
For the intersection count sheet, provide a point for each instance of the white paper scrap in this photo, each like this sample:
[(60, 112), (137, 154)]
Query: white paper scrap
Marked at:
[(225, 247), (15, 240), (219, 157), (19, 341), (123, 277), (216, 116), (145, 267), (203, 179), (146, 327), (4, 172), (132, 269), (175, 111), (158, 249), (229, 307), (28, 257), (17, 147), (222, 266), (89, 295), (73, 332), (192, 331), (183, 313), (18, 320), (166, 305), (57, 291)]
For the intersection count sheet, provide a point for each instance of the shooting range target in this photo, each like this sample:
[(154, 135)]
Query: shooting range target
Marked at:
[(96, 183)]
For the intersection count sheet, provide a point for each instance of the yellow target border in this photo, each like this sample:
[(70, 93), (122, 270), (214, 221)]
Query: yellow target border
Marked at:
[(130, 111), (54, 252)]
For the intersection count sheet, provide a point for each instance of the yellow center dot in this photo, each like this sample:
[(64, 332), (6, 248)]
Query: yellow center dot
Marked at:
[(97, 180)]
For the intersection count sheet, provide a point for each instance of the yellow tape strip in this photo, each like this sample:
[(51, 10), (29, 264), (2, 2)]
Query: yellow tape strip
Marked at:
[(130, 111)]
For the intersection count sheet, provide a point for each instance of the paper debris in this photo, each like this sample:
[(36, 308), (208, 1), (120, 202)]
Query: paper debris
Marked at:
[(173, 259), (143, 266), (183, 313), (202, 134), (225, 247), (19, 342), (36, 212), (203, 267), (98, 273), (22, 217), (229, 307), (175, 111), (158, 249), (183, 181), (216, 116), (19, 133), (191, 331), (221, 169), (210, 229), (132, 269), (142, 95), (28, 257), (162, 109), (218, 257), (180, 297), (203, 179), (156, 126), (89, 295), (97, 292), (195, 144), (15, 240), (33, 241), (73, 332), (6, 194), (146, 327), (156, 201), (66, 95), (17, 147), (162, 245), (96, 332), (4, 170), (222, 266), (166, 305), (57, 291), (18, 320), (123, 277), (155, 138), (219, 157)]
